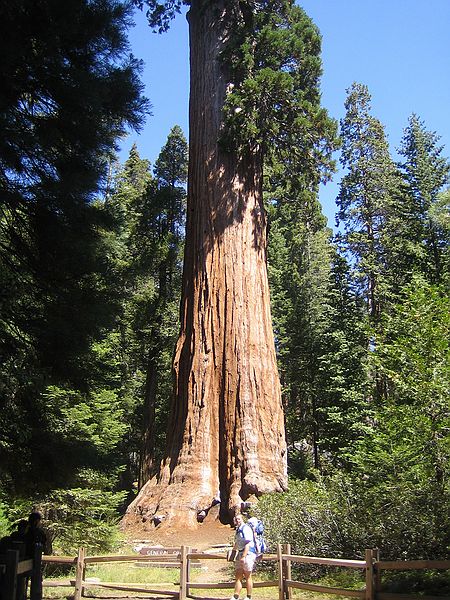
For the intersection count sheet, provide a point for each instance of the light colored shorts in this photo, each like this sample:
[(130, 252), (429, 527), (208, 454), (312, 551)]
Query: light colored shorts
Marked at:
[(247, 563)]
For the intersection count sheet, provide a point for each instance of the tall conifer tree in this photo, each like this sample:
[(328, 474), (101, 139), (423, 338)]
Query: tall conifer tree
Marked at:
[(425, 171), (319, 343), (149, 213), (70, 89), (254, 73), (366, 192)]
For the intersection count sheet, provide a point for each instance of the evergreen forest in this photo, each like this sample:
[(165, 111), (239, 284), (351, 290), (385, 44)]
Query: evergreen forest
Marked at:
[(91, 273)]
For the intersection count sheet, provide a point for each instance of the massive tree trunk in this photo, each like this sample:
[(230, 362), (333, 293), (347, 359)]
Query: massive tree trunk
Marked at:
[(147, 454), (226, 433)]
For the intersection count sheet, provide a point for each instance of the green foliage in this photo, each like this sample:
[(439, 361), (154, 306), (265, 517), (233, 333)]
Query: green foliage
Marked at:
[(395, 495), (72, 91), (427, 583), (95, 419), (273, 102), (160, 14), (319, 343), (316, 517), (149, 215), (413, 348), (404, 502), (83, 517), (403, 459), (425, 172), (4, 521), (365, 195), (172, 162)]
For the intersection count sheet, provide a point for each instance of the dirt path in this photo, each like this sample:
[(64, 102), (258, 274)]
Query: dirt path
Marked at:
[(210, 536)]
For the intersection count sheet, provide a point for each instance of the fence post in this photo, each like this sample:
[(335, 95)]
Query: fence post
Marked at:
[(280, 572), (10, 581), (377, 572), (79, 574), (83, 573), (287, 572), (36, 574), (188, 568), (21, 580), (370, 588), (184, 572)]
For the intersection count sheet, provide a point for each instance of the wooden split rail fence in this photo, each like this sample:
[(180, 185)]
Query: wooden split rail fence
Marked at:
[(16, 572), (183, 558)]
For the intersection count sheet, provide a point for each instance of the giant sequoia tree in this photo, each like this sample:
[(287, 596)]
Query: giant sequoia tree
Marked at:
[(254, 91)]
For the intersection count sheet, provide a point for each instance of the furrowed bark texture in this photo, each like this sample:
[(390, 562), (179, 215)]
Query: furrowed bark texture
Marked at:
[(227, 428)]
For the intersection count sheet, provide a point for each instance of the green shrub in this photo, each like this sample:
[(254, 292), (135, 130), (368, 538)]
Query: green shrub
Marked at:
[(315, 517), (432, 583), (341, 516), (11, 511), (4, 521), (83, 517)]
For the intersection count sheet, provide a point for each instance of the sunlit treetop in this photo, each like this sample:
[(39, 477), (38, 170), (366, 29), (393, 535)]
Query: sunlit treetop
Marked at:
[(274, 100), (272, 64)]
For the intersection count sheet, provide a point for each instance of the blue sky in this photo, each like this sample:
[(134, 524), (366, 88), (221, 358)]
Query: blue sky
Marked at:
[(399, 48)]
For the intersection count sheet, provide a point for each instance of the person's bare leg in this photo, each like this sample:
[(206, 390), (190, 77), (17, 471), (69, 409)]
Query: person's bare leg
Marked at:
[(248, 583), (238, 584)]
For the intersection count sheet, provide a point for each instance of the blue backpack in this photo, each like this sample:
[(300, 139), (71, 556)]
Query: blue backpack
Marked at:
[(257, 527)]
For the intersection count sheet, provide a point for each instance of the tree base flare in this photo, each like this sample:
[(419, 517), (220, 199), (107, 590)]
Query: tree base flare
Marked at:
[(165, 505)]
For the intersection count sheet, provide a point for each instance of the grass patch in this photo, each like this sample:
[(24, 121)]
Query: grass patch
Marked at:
[(124, 573), (131, 573)]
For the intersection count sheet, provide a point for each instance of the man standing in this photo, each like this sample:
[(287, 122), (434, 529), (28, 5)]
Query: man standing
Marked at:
[(34, 534), (245, 558)]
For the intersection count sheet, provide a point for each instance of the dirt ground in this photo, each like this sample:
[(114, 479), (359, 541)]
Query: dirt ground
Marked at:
[(208, 535)]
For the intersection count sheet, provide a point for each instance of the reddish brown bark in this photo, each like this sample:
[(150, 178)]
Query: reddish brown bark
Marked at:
[(226, 430)]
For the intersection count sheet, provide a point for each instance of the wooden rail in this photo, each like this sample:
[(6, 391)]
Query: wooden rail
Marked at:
[(17, 570), (182, 558), (372, 566)]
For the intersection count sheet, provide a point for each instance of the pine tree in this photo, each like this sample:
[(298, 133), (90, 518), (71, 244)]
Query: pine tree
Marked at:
[(319, 344), (149, 214), (169, 197), (365, 194), (425, 172), (400, 467), (70, 90)]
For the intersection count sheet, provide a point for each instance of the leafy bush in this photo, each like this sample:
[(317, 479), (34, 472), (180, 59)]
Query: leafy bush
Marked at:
[(405, 507), (12, 510), (418, 582), (83, 517), (4, 521), (339, 516), (315, 517)]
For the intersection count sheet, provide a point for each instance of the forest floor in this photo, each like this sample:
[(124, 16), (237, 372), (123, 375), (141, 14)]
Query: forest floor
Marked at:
[(209, 534)]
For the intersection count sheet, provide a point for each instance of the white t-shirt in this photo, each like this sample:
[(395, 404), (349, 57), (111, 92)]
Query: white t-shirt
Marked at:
[(244, 535)]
